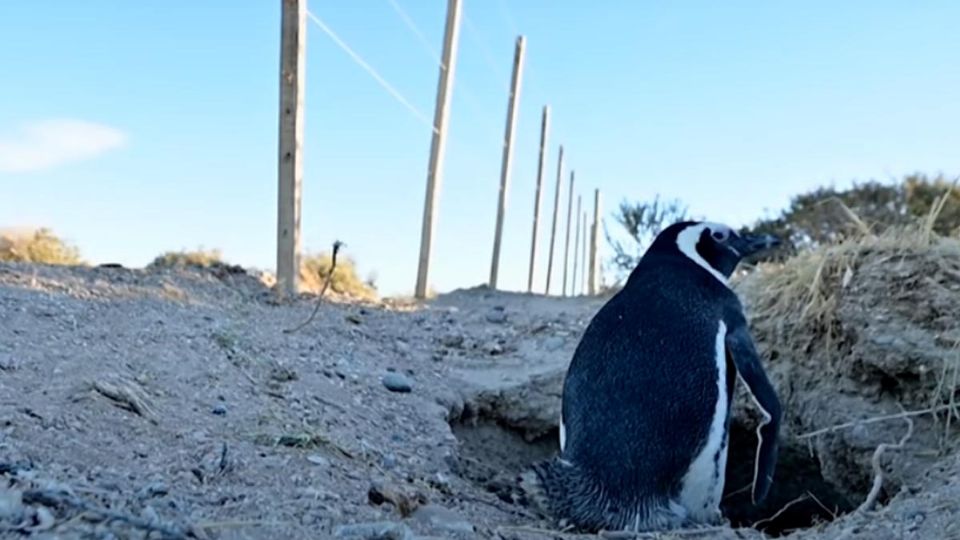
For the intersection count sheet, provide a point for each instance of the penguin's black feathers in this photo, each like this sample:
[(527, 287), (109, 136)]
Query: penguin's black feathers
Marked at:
[(622, 461)]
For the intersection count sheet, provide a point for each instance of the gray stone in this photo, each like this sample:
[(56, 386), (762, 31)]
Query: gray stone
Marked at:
[(7, 362), (554, 343), (318, 460), (11, 505), (395, 382), (497, 316)]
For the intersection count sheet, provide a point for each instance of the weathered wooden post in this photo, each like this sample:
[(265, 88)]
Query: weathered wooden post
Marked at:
[(538, 197), (507, 160), (293, 38), (438, 144)]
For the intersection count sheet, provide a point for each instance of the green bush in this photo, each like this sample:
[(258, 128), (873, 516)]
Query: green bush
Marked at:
[(37, 246)]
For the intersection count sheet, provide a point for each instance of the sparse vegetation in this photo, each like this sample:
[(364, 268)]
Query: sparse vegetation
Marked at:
[(642, 221), (200, 258), (314, 269), (40, 246), (827, 215)]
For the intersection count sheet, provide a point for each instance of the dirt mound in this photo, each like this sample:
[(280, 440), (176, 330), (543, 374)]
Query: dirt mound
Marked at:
[(864, 335)]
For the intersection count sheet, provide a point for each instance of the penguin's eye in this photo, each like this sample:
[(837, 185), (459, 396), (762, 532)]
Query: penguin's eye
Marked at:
[(721, 236)]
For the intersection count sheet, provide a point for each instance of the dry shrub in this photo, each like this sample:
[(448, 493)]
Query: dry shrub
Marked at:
[(314, 269), (880, 311), (907, 274), (856, 330), (200, 258), (37, 246)]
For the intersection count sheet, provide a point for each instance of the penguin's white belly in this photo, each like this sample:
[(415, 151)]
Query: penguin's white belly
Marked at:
[(702, 487)]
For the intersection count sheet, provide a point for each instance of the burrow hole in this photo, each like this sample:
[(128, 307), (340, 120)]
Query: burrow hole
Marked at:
[(492, 454)]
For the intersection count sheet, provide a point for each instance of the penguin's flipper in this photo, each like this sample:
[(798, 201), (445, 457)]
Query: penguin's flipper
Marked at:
[(740, 346)]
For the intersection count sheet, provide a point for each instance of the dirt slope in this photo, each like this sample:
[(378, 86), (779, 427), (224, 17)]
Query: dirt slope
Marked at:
[(174, 403)]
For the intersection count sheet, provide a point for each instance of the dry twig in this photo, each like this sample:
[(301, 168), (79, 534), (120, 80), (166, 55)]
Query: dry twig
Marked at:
[(875, 419), (326, 284), (124, 395), (871, 499), (780, 512)]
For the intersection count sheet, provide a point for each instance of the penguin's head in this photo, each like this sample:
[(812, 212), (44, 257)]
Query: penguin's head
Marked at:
[(714, 246)]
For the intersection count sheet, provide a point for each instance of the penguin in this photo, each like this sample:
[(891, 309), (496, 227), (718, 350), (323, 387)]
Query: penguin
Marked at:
[(646, 399)]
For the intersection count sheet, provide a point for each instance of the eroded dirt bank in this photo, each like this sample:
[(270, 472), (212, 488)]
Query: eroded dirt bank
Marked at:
[(174, 403)]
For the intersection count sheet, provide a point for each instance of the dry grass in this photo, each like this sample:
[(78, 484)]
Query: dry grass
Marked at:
[(200, 258), (904, 279), (314, 269), (40, 246), (806, 288)]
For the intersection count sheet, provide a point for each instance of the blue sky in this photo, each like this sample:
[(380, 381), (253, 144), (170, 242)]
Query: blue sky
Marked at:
[(137, 127)]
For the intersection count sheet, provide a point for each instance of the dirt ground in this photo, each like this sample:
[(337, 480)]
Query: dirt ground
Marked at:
[(176, 404)]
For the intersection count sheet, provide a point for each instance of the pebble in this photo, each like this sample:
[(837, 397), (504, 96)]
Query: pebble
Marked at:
[(493, 348), (7, 362), (497, 317), (219, 410), (317, 459), (453, 341), (395, 382), (155, 489), (389, 461), (554, 343), (442, 519), (380, 530), (11, 506)]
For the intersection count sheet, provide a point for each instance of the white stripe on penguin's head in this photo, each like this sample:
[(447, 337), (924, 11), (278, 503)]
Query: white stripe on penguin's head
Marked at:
[(687, 243)]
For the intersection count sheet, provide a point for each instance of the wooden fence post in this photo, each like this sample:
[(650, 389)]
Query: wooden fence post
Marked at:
[(512, 111), (556, 212), (595, 246), (290, 163), (583, 257), (576, 251), (566, 246), (438, 144), (538, 197)]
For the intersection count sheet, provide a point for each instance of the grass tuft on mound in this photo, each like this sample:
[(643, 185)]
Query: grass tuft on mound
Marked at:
[(314, 269), (200, 258), (39, 246), (880, 309)]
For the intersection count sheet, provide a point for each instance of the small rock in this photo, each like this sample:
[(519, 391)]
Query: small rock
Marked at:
[(453, 341), (318, 460), (150, 514), (7, 363), (554, 343), (497, 317), (11, 506), (155, 489), (389, 461), (395, 382), (442, 519), (45, 520), (219, 410), (381, 530), (493, 348)]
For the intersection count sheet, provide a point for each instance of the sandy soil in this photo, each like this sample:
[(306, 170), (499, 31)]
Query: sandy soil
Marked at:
[(173, 404)]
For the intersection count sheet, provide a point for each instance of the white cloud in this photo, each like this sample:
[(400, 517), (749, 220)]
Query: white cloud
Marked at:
[(49, 143)]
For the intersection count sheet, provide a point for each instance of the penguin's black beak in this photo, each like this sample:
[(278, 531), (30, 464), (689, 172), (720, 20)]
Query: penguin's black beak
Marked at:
[(751, 244)]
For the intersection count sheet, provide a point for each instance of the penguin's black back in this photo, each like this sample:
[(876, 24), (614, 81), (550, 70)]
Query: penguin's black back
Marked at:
[(641, 390)]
